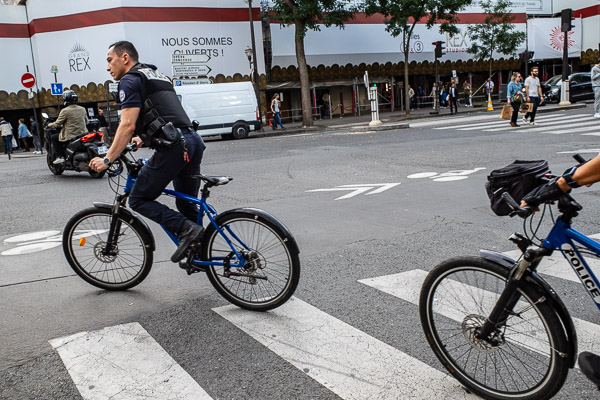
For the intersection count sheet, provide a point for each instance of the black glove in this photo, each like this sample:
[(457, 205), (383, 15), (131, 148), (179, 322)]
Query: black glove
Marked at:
[(544, 194)]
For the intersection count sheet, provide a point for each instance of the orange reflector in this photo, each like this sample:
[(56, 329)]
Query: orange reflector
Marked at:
[(81, 241)]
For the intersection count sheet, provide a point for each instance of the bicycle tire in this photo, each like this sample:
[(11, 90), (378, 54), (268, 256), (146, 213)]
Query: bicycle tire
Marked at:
[(278, 263), (472, 285), (85, 237)]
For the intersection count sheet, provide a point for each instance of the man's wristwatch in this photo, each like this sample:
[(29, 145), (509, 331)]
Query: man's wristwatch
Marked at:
[(106, 160), (568, 177)]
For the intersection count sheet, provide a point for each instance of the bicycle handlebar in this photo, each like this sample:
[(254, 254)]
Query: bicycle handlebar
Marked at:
[(525, 212)]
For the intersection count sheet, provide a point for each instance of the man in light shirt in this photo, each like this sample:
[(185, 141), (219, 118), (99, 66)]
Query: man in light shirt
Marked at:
[(533, 91)]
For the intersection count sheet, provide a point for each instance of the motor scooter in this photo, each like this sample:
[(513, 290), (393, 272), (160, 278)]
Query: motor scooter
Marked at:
[(78, 152)]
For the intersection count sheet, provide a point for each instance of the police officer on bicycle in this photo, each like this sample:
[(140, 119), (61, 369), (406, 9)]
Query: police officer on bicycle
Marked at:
[(151, 113)]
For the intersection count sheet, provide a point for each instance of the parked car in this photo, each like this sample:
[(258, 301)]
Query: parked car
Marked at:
[(580, 88), (226, 109)]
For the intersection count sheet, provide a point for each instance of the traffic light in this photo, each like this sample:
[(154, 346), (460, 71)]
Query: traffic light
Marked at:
[(566, 16), (531, 54), (439, 50)]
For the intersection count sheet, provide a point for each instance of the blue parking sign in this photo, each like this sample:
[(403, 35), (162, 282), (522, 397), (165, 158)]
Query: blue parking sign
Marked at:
[(56, 88), (177, 83)]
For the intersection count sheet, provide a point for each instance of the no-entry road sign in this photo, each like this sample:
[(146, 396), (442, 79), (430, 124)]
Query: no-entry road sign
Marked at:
[(28, 80)]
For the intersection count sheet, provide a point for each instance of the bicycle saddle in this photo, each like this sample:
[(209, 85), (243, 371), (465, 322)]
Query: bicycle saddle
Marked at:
[(214, 180)]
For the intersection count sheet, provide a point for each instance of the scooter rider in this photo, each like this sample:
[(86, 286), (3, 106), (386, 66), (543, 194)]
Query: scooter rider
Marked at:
[(73, 119), (151, 110)]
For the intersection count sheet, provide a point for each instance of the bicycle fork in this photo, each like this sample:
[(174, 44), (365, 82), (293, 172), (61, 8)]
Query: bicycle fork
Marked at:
[(510, 296), (114, 229)]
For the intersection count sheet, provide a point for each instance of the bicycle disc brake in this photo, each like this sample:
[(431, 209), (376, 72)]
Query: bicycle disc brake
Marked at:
[(470, 328)]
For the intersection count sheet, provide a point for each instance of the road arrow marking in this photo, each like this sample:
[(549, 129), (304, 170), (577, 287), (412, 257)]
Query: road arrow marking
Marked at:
[(358, 189)]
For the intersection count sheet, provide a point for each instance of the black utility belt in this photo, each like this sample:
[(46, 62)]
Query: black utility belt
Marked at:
[(169, 135)]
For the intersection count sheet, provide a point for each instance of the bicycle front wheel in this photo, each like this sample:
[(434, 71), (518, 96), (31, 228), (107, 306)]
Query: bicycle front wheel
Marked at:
[(85, 247), (523, 358), (271, 268)]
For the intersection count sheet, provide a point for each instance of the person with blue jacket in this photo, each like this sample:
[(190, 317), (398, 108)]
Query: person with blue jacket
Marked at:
[(514, 96), (23, 134)]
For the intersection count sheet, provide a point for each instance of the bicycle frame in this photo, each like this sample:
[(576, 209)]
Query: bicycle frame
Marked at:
[(211, 214), (562, 237)]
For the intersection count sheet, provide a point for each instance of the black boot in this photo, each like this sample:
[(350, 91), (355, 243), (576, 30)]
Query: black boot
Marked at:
[(590, 366), (189, 233)]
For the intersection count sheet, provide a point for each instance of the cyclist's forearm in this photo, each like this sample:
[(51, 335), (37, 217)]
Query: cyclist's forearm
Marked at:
[(124, 132), (587, 174)]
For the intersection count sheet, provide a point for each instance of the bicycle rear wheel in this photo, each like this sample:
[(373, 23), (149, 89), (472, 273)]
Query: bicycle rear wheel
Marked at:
[(271, 270), (84, 244), (523, 360)]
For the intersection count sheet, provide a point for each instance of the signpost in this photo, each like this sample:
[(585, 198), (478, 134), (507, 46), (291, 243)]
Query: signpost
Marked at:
[(186, 82), (191, 70), (56, 88), (189, 58), (28, 80)]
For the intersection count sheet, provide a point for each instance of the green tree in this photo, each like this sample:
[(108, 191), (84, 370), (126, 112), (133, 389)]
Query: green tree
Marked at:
[(401, 17), (305, 15), (497, 34)]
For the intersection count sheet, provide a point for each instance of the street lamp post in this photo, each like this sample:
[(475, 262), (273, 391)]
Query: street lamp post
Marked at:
[(251, 54)]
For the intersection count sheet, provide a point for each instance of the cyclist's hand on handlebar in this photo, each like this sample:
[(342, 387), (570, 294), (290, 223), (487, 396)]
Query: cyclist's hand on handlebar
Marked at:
[(550, 191), (137, 142)]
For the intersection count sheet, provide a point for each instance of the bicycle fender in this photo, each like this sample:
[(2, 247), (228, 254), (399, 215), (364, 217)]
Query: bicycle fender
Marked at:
[(261, 214), (557, 304), (132, 219)]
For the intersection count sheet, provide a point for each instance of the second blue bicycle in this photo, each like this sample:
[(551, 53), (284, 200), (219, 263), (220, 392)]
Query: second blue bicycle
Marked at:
[(250, 257)]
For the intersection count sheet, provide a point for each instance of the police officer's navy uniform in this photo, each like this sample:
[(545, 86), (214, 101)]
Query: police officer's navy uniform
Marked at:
[(174, 160)]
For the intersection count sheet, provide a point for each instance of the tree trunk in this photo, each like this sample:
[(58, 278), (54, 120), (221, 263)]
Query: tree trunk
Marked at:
[(407, 102), (307, 119)]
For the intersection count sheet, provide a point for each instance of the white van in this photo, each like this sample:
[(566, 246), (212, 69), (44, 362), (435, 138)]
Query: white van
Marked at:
[(226, 109)]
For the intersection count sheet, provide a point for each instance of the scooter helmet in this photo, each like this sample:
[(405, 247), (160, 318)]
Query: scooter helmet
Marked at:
[(70, 97)]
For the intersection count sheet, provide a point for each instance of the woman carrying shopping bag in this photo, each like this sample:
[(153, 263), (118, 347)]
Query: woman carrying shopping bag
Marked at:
[(515, 96)]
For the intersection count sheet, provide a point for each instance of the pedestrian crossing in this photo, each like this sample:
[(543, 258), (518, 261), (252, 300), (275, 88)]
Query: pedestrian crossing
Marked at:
[(125, 362), (555, 123)]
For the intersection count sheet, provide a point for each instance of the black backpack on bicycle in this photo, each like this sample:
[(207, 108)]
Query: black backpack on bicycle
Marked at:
[(518, 179)]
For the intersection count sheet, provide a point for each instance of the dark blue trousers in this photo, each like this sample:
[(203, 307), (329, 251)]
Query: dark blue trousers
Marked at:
[(164, 166)]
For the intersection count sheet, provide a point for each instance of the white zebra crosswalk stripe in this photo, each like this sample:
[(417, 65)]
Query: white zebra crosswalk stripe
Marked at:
[(124, 362), (546, 120), (347, 361), (445, 121), (407, 286), (497, 122), (562, 127)]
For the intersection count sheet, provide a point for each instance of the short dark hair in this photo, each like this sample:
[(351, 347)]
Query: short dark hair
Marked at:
[(123, 46)]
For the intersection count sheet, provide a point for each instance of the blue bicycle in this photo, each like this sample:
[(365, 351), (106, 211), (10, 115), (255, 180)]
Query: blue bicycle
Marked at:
[(250, 257), (495, 324)]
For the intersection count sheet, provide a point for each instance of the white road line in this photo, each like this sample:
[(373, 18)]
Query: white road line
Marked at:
[(497, 121), (407, 286), (546, 119), (507, 127), (347, 361), (565, 128), (451, 119), (124, 362)]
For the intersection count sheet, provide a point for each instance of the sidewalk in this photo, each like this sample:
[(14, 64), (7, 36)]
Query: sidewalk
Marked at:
[(395, 119)]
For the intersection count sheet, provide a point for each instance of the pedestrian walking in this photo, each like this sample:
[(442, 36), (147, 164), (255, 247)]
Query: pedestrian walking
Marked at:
[(23, 134), (420, 93), (7, 135), (35, 132), (533, 91), (433, 95), (514, 96), (467, 90), (275, 109), (489, 88), (453, 97), (103, 126), (596, 88), (411, 98)]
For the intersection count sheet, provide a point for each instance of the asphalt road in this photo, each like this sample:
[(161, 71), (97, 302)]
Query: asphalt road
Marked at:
[(414, 224)]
